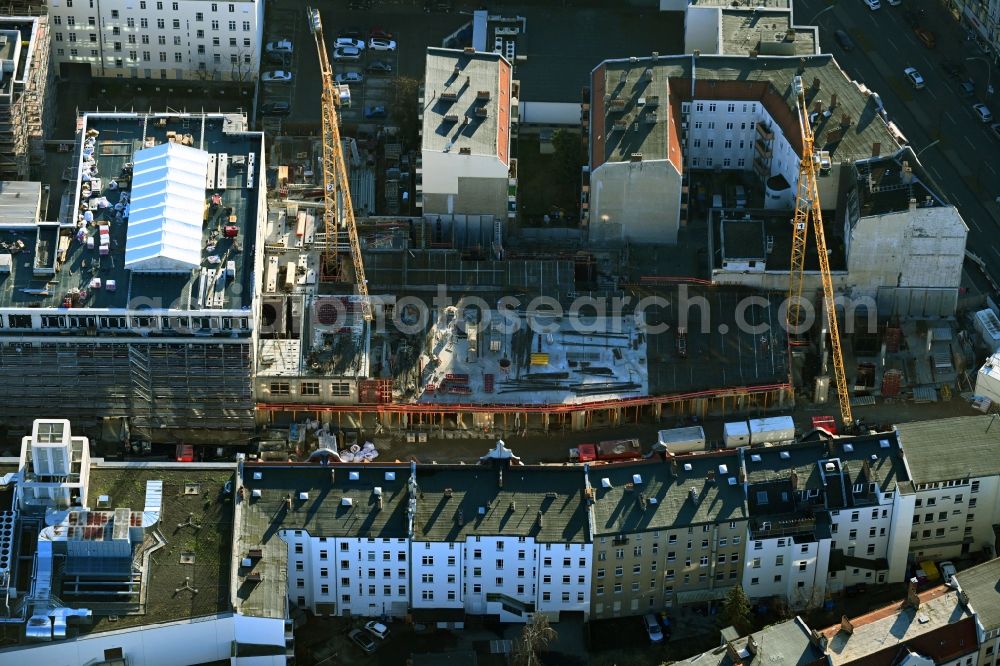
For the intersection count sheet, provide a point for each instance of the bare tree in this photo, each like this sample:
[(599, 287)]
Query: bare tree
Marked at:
[(535, 637)]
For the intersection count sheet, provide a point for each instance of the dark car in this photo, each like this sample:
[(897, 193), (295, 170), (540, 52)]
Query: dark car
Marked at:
[(275, 108), (353, 32), (363, 640), (375, 112), (275, 58), (844, 40), (968, 88), (379, 67), (953, 69)]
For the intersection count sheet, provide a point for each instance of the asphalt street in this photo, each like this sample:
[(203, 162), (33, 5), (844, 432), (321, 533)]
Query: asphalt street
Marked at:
[(957, 149)]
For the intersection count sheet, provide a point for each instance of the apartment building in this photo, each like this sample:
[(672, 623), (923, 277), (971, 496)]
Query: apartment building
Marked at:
[(468, 113), (438, 541), (956, 475), (788, 642), (141, 296), (183, 40), (824, 515), (27, 103), (666, 532), (982, 598)]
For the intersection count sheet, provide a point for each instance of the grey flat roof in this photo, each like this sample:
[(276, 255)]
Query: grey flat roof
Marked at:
[(764, 79), (746, 30), (618, 510), (510, 511), (199, 523), (982, 584), (464, 75), (120, 135), (954, 448), (20, 203)]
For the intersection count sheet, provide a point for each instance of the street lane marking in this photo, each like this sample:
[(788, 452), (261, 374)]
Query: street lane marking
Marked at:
[(973, 222), (950, 119), (892, 43), (969, 141), (991, 169), (997, 251), (931, 93)]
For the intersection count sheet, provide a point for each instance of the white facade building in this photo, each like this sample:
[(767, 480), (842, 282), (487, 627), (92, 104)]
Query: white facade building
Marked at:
[(955, 471), (189, 40), (825, 515)]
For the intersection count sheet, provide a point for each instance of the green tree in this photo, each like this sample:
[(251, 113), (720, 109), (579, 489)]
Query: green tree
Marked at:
[(535, 637), (404, 109), (736, 611)]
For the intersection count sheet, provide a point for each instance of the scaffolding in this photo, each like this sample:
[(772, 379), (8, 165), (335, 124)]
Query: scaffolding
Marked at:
[(26, 105), (167, 385)]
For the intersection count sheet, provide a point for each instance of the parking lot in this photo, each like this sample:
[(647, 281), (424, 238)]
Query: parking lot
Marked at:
[(409, 26)]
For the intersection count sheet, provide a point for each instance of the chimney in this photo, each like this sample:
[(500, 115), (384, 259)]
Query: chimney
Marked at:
[(833, 100), (845, 625), (539, 519), (694, 494), (913, 203), (742, 475), (802, 65), (500, 479), (845, 120), (912, 599), (674, 467), (817, 639), (461, 517), (793, 480), (710, 477), (642, 501), (876, 148), (513, 506), (378, 502), (733, 653), (818, 106), (963, 599), (815, 83), (752, 645)]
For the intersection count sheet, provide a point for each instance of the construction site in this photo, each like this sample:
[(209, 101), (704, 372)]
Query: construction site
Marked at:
[(26, 99)]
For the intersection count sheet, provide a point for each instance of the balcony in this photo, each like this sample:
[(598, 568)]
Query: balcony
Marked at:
[(782, 526), (763, 148), (764, 132)]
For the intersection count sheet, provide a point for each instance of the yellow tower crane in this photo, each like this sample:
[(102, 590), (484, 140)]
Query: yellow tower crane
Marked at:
[(336, 187), (807, 205)]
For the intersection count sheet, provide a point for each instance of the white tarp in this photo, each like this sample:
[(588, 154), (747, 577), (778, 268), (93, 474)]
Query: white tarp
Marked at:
[(167, 209)]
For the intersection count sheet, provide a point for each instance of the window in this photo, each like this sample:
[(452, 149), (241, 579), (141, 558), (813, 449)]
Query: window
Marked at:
[(972, 503), (779, 560), (852, 535), (600, 572), (802, 565), (298, 549), (672, 538), (618, 587), (671, 556), (427, 560), (758, 545), (736, 540), (636, 569), (703, 561), (871, 548), (427, 595), (777, 579), (161, 24), (547, 562), (246, 26), (854, 516), (477, 572), (70, 21), (871, 531), (300, 583), (177, 40), (756, 563), (427, 578), (975, 487), (299, 565), (177, 24), (232, 26), (199, 17), (761, 494), (754, 581), (215, 26), (619, 570)]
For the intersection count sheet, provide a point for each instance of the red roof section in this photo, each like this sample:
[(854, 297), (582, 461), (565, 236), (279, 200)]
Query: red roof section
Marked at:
[(503, 113)]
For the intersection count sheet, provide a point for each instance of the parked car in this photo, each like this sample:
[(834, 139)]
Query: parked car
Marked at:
[(948, 570), (277, 75), (856, 590), (925, 36), (275, 108), (377, 629), (895, 3), (982, 112), (953, 69), (350, 77), (379, 67), (349, 42), (967, 88), (378, 33), (347, 53), (276, 58), (363, 640), (843, 39), (280, 46), (914, 77), (381, 44), (995, 128), (375, 111), (353, 32), (873, 4), (652, 628)]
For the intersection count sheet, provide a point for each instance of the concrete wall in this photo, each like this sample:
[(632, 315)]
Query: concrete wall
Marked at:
[(550, 113), (635, 201), (464, 184), (702, 29), (920, 247)]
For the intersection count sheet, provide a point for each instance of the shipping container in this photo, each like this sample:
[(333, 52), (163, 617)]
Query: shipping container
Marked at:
[(587, 452), (736, 434), (771, 430), (682, 440), (184, 453), (827, 423)]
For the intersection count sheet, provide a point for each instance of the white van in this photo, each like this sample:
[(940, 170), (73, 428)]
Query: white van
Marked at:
[(716, 201), (740, 196)]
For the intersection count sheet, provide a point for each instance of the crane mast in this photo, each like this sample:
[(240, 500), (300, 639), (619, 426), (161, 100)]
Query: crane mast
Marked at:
[(807, 204), (335, 180)]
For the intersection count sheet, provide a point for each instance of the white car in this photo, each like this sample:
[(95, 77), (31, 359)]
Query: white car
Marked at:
[(350, 77), (377, 629), (948, 572), (282, 46), (347, 53), (276, 76), (914, 77), (873, 4), (347, 42), (652, 628), (982, 112), (379, 44)]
